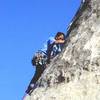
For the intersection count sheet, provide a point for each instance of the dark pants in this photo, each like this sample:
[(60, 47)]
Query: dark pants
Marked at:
[(38, 72)]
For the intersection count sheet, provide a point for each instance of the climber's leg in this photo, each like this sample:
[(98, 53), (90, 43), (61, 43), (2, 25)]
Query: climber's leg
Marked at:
[(37, 75)]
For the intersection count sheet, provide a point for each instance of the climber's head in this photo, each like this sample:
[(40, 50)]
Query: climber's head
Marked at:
[(60, 36)]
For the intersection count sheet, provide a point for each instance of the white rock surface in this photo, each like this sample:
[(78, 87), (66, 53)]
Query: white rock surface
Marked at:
[(75, 73)]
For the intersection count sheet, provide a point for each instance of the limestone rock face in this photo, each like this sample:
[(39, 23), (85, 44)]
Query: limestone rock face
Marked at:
[(75, 73)]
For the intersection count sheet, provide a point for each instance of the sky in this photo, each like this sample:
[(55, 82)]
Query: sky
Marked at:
[(25, 25)]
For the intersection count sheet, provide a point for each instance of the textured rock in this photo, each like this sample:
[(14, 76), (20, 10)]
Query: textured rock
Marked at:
[(75, 73)]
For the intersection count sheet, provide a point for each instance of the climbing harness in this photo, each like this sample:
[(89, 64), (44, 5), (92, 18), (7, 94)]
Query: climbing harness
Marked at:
[(39, 58)]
